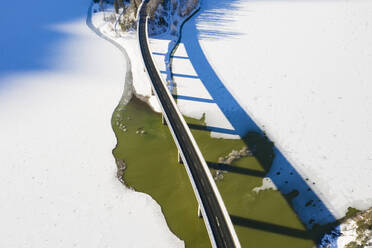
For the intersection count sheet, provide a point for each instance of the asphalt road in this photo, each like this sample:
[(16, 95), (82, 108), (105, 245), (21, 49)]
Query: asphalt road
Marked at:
[(221, 233)]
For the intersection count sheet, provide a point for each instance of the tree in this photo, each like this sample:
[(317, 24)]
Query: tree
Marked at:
[(116, 6)]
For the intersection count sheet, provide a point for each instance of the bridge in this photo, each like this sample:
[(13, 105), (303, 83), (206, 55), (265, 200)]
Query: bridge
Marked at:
[(211, 207)]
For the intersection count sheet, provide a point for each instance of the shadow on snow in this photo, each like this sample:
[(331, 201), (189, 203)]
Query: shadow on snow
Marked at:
[(296, 190), (27, 39)]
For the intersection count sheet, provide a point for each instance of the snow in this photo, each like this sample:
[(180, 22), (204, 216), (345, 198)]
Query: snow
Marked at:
[(306, 73), (129, 41), (349, 233), (354, 229), (57, 170), (193, 99), (298, 71), (342, 235), (267, 184)]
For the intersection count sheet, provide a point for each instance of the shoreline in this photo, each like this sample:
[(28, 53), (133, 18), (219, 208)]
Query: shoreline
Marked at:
[(129, 93)]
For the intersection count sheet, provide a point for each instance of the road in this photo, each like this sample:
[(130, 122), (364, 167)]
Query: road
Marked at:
[(222, 235)]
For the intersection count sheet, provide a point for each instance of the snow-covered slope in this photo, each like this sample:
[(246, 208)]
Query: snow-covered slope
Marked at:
[(57, 174)]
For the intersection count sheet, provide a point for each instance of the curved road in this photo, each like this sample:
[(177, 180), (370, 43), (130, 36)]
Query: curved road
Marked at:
[(216, 221)]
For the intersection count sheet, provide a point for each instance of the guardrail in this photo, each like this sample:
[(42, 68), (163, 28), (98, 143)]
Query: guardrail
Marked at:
[(216, 218)]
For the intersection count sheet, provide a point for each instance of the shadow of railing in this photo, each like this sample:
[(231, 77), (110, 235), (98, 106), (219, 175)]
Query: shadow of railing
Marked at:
[(164, 54), (192, 98), (211, 129), (181, 75), (235, 169), (269, 227)]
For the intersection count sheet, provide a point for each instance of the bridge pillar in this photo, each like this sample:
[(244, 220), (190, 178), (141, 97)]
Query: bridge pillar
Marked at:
[(199, 212), (163, 121), (179, 158)]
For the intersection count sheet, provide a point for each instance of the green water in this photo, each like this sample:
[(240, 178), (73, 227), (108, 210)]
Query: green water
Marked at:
[(263, 219)]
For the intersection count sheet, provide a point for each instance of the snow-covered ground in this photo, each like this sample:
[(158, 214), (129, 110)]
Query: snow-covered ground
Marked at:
[(301, 70), (104, 22), (59, 84)]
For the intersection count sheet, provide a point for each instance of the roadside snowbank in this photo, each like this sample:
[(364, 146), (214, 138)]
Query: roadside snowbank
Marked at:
[(57, 169), (301, 70)]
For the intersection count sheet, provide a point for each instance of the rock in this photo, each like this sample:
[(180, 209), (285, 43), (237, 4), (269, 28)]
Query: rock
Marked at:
[(219, 175), (234, 155), (229, 160)]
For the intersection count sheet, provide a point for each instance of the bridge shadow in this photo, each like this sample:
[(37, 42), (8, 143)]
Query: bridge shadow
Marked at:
[(211, 129), (164, 54), (308, 206), (181, 75), (192, 98), (315, 234), (269, 227), (235, 169)]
